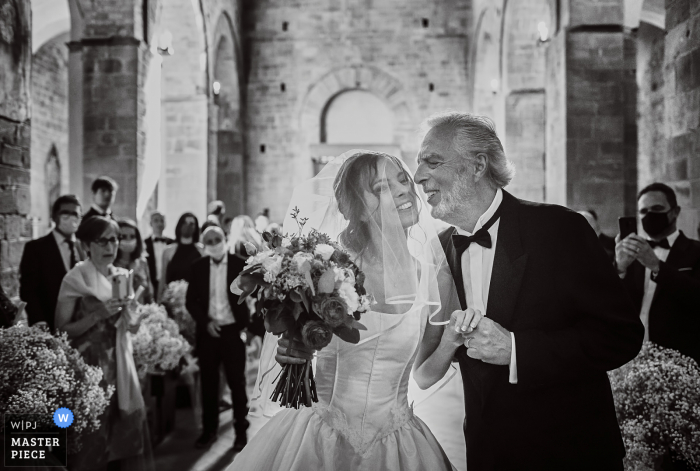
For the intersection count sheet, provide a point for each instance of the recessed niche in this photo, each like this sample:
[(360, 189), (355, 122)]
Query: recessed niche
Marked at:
[(431, 87), (285, 26), (262, 148), (283, 87), (425, 22)]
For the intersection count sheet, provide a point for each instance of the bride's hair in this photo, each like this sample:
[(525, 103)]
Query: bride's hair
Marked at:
[(354, 177)]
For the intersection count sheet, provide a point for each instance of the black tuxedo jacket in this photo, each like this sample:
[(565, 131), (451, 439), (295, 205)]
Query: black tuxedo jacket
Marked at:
[(197, 300), (41, 272), (553, 286), (674, 315), (152, 260), (93, 212)]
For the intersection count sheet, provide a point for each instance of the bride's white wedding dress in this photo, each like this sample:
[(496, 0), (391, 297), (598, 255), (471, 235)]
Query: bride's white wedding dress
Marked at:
[(363, 420)]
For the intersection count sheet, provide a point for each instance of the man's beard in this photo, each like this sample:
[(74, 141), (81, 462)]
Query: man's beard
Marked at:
[(452, 200)]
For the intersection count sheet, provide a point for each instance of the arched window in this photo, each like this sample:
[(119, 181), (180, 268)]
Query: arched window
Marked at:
[(53, 178), (357, 117)]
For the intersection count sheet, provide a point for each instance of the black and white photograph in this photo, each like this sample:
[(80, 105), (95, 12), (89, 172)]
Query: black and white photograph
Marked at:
[(350, 235)]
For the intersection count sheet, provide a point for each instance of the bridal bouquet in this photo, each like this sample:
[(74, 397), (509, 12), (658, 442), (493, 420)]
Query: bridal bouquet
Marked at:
[(40, 372), (158, 345), (310, 290), (657, 399), (174, 302)]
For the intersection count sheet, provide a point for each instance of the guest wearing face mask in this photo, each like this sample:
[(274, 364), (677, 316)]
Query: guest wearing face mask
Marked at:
[(178, 257), (131, 256), (220, 320), (661, 271), (45, 261)]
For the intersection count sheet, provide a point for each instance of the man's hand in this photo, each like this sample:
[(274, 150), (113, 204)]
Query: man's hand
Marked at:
[(461, 323), (646, 255), (213, 328), (625, 252), (489, 343), (293, 351)]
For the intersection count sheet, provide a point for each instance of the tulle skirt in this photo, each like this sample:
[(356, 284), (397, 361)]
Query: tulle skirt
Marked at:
[(299, 440)]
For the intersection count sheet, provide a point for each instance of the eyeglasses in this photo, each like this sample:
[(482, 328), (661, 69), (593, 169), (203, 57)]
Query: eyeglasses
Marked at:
[(103, 241)]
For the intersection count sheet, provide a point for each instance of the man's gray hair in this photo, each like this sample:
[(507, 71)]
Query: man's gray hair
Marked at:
[(473, 135)]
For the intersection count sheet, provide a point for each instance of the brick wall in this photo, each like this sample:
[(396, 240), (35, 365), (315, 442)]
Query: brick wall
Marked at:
[(386, 41), (15, 64), (49, 123)]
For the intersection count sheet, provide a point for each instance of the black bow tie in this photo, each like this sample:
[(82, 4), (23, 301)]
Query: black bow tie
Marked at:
[(663, 243), (160, 239), (481, 237)]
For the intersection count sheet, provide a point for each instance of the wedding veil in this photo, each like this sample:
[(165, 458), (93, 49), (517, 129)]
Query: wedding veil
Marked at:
[(369, 204)]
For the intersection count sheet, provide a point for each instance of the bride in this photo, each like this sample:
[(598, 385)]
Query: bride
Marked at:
[(368, 202)]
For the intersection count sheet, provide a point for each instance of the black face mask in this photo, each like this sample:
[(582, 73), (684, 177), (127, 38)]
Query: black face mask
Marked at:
[(655, 223)]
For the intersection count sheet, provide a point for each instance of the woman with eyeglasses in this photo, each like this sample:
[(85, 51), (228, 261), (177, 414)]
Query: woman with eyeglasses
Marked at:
[(97, 325), (131, 255)]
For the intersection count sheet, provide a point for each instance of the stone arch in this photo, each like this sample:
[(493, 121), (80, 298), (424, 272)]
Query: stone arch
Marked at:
[(50, 125), (523, 76), (181, 39), (361, 77), (652, 12), (226, 132), (486, 63)]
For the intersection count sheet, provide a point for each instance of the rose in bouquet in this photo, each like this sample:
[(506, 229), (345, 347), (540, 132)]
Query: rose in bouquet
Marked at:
[(657, 399), (158, 345), (174, 302), (310, 290), (40, 372)]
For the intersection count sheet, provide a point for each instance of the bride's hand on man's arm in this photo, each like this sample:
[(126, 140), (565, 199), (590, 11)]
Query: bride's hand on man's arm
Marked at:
[(293, 351)]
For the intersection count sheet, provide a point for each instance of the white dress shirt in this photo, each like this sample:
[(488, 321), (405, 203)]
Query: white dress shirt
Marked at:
[(64, 248), (477, 266), (650, 285), (219, 306), (158, 249)]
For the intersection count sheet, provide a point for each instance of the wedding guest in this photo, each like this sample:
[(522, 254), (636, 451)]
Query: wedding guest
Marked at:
[(178, 257), (97, 325), (220, 320), (132, 257), (215, 212), (605, 240), (104, 192), (661, 272), (45, 261), (242, 232), (155, 246)]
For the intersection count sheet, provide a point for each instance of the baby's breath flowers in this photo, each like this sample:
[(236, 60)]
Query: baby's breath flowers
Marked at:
[(158, 345), (40, 372), (657, 399), (174, 302)]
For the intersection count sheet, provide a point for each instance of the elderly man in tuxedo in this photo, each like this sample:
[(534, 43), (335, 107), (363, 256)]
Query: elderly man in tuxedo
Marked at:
[(556, 317), (45, 261), (661, 272)]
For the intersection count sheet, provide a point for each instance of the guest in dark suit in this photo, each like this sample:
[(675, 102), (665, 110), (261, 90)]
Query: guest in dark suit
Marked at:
[(155, 246), (46, 261), (220, 320), (556, 317), (607, 242), (104, 192), (661, 271)]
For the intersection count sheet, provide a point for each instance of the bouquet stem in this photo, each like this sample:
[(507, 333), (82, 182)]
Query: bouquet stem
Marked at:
[(296, 386)]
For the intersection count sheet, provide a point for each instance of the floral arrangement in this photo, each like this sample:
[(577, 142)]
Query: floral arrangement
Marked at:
[(40, 372), (158, 345), (310, 290), (657, 399), (174, 301)]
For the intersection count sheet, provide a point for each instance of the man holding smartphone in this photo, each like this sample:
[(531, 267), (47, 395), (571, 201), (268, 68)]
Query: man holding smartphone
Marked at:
[(661, 272)]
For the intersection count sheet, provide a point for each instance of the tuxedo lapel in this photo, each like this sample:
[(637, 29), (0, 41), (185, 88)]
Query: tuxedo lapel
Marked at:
[(676, 255), (508, 265), (54, 254)]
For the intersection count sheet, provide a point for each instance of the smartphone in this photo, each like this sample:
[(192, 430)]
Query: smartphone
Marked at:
[(122, 285), (628, 225)]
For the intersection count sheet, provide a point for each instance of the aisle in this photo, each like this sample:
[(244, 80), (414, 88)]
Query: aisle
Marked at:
[(443, 413)]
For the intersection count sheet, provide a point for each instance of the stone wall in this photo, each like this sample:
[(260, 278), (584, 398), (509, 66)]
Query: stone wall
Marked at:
[(15, 131), (412, 53), (49, 144)]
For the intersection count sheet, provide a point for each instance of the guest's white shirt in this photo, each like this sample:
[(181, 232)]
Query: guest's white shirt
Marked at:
[(219, 306), (64, 248), (477, 267), (158, 249), (650, 285)]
